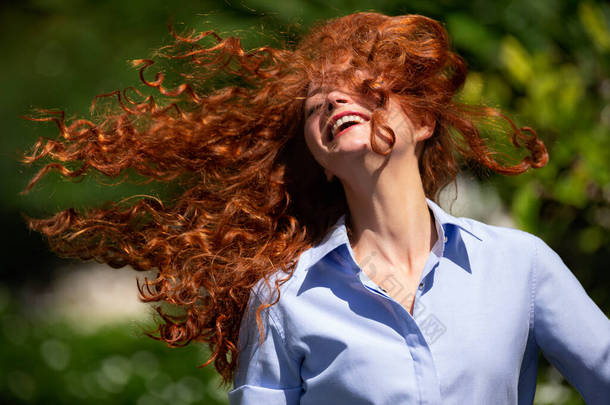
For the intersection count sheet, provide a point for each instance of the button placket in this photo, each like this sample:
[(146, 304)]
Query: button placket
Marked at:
[(369, 284)]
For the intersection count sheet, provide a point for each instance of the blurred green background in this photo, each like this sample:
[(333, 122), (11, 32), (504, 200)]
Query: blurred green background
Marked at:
[(71, 333)]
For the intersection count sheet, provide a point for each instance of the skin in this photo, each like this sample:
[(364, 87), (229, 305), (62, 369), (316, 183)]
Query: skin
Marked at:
[(390, 220)]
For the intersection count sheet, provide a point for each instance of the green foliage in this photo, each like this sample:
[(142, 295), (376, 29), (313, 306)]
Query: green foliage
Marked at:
[(49, 362)]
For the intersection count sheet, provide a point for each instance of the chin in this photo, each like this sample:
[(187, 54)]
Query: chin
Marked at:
[(351, 146), (356, 140)]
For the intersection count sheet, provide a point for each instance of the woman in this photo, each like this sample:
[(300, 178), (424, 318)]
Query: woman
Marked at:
[(305, 247)]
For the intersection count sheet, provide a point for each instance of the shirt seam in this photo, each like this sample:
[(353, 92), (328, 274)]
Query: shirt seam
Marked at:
[(276, 325)]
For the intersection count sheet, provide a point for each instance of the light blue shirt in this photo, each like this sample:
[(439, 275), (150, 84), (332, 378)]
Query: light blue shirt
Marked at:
[(489, 298)]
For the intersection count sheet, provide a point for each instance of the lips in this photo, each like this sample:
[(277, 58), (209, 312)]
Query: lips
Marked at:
[(336, 117), (345, 130)]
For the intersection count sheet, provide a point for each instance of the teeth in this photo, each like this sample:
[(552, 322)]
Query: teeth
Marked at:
[(343, 120)]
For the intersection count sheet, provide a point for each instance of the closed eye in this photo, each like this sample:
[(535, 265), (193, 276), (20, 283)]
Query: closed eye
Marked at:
[(312, 109)]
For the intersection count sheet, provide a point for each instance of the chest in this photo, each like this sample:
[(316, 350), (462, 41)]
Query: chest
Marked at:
[(359, 336), (347, 335), (401, 284), (400, 287)]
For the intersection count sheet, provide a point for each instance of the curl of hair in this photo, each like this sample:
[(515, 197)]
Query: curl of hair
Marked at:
[(255, 198)]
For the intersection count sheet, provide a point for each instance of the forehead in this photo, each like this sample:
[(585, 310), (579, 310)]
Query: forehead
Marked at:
[(326, 80)]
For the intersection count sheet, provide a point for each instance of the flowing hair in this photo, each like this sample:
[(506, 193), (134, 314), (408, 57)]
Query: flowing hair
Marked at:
[(253, 198)]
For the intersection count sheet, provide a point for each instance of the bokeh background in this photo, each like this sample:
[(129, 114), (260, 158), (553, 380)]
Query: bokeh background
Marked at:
[(72, 332)]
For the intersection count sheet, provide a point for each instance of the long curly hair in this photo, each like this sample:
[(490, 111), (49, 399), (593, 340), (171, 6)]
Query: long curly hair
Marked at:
[(252, 197)]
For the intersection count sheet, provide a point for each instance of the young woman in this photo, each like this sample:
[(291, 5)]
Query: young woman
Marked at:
[(306, 247)]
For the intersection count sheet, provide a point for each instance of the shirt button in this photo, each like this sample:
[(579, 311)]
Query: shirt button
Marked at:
[(421, 285)]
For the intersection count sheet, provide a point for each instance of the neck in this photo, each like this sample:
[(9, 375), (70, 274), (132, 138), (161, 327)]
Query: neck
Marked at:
[(389, 216)]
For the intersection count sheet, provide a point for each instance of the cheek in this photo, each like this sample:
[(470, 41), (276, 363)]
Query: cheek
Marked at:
[(313, 142), (312, 134), (312, 145)]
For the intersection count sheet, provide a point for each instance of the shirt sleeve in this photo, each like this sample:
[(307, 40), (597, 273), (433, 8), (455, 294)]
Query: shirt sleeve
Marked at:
[(266, 373), (570, 329)]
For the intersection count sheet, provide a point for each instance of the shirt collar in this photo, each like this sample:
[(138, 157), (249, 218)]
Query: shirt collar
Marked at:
[(444, 218), (337, 234)]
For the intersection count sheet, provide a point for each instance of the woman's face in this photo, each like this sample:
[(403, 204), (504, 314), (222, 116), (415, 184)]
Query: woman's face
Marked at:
[(336, 117), (337, 128)]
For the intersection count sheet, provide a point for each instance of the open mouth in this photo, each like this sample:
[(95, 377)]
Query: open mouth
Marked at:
[(342, 128), (343, 122)]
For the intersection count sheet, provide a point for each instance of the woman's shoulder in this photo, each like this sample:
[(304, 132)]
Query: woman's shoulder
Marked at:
[(478, 231), (280, 283), (514, 245), (493, 232), (335, 236), (478, 234)]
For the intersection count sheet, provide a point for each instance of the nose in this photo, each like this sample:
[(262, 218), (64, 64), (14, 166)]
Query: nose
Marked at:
[(335, 98)]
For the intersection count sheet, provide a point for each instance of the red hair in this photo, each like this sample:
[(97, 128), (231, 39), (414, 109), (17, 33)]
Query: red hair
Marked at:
[(253, 197)]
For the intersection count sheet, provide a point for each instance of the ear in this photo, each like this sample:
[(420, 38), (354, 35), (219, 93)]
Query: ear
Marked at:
[(425, 129)]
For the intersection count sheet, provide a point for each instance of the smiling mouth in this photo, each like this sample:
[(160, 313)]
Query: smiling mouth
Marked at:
[(343, 129), (343, 122)]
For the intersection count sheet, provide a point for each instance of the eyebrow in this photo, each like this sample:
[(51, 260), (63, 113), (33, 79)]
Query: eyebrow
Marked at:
[(320, 88), (316, 91)]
